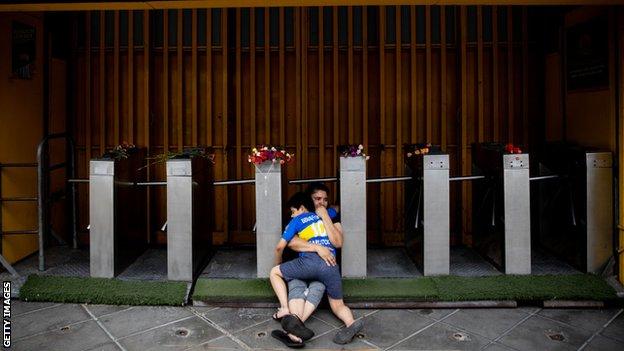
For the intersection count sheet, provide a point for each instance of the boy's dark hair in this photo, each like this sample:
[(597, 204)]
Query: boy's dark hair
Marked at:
[(314, 187), (301, 199)]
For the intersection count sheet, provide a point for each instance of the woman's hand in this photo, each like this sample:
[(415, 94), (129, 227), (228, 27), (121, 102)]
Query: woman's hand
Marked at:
[(326, 255)]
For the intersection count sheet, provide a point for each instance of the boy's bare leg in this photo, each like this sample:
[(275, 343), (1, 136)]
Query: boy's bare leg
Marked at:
[(308, 309), (297, 307), (341, 311), (279, 286)]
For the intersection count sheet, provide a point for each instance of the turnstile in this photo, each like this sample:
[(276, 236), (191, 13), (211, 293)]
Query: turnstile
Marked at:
[(117, 213), (269, 211), (427, 212), (574, 211), (501, 208), (189, 226), (353, 216)]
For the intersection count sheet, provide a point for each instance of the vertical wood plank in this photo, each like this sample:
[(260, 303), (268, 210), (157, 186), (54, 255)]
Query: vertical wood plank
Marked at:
[(180, 96), (336, 92), (130, 78), (443, 102), (102, 101), (428, 88), (321, 92), (398, 92), (282, 78), (267, 77), (464, 115), (239, 106), (146, 115), (301, 91), (382, 111), (350, 73), (225, 117), (194, 101), (88, 87), (480, 73), (209, 113), (116, 133), (495, 77), (365, 53), (510, 75), (525, 77), (413, 74), (165, 82), (252, 74)]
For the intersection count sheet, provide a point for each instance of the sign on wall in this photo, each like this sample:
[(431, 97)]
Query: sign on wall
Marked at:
[(587, 55), (23, 50)]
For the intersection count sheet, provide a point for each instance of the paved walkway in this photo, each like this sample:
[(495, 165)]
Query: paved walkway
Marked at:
[(48, 326)]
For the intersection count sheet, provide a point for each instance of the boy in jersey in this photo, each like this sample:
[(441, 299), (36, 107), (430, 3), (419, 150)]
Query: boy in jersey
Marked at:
[(315, 228)]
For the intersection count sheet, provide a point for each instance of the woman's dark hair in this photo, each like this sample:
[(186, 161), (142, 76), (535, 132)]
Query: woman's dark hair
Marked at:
[(314, 187), (301, 199)]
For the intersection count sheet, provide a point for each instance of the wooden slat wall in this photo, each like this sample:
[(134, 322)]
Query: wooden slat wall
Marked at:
[(309, 96)]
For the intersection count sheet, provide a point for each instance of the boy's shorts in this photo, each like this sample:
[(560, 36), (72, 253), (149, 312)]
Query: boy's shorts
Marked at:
[(312, 267), (312, 293)]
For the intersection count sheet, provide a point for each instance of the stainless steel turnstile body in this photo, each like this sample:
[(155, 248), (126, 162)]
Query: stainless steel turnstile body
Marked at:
[(268, 215), (427, 226), (189, 233), (575, 210), (501, 208), (117, 214), (353, 215)]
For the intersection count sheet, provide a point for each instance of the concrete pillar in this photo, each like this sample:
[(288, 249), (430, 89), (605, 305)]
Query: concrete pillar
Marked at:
[(599, 209), (517, 209), (436, 212), (268, 214), (353, 215), (102, 218)]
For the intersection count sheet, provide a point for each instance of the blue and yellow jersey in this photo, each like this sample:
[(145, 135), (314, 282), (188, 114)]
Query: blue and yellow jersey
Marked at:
[(309, 227)]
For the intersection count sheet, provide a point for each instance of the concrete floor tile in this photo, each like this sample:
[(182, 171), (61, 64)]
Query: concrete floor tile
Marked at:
[(436, 314), (223, 343), (83, 336), (47, 319), (386, 327), (176, 336), (615, 329), (442, 337), (537, 333), (600, 343), (235, 319), (100, 310), (141, 318), (325, 342), (497, 347), (489, 323), (20, 307), (106, 347), (592, 320)]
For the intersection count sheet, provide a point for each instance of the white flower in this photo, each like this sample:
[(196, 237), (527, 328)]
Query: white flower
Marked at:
[(361, 147), (409, 154), (273, 149), (359, 151)]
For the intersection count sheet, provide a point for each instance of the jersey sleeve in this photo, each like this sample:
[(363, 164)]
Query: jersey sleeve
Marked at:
[(291, 230)]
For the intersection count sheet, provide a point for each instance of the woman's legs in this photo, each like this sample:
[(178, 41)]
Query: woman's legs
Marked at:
[(341, 311)]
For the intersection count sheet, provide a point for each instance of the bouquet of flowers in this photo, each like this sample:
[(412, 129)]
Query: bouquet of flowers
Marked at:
[(353, 151), (419, 149), (274, 154), (511, 149), (186, 153), (120, 152)]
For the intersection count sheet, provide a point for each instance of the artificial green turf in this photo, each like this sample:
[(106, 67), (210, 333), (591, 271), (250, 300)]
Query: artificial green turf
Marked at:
[(528, 288), (102, 291), (446, 288)]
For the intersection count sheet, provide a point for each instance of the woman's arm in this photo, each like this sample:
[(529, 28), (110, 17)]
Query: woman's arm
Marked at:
[(335, 236)]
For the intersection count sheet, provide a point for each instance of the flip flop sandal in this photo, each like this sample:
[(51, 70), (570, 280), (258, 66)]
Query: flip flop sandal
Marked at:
[(276, 318), (292, 324), (345, 335), (283, 337)]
